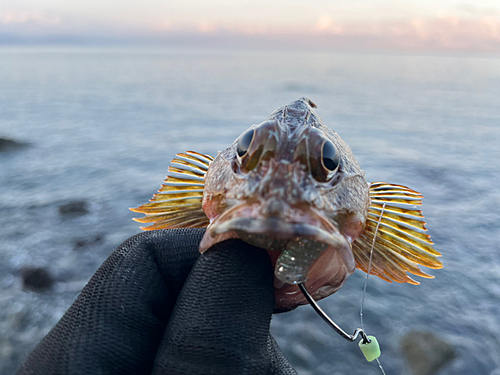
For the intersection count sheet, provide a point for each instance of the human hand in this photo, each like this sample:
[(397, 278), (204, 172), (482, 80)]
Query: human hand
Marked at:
[(156, 306)]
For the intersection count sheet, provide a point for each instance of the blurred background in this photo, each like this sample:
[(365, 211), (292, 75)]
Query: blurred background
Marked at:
[(96, 97)]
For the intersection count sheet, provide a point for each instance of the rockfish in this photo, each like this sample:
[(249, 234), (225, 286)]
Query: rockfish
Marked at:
[(292, 186)]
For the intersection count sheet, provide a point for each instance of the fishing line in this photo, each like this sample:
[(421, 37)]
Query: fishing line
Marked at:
[(368, 345), (366, 279), (370, 266)]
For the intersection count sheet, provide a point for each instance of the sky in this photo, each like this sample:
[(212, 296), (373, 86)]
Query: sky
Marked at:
[(440, 25)]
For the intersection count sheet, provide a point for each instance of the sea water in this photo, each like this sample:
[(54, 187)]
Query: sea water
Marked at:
[(103, 124)]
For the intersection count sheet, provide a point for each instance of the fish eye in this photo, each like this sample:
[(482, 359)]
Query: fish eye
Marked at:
[(330, 157), (325, 165), (244, 143)]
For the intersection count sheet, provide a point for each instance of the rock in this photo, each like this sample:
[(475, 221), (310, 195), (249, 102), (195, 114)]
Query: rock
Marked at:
[(36, 278), (84, 242), (75, 208), (426, 353), (11, 145)]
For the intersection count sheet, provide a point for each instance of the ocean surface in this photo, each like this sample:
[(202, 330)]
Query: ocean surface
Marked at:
[(103, 124)]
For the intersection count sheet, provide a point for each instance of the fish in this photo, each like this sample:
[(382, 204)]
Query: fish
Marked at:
[(292, 186)]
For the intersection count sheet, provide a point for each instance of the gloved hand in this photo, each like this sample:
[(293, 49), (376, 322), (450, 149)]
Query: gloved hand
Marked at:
[(157, 307)]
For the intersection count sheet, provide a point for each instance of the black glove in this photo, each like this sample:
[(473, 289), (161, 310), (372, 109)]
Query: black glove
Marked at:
[(157, 307)]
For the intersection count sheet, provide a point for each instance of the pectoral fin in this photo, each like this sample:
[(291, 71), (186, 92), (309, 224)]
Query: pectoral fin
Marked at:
[(178, 203), (401, 242)]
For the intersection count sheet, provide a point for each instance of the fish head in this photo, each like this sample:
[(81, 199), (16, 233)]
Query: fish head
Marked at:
[(292, 186)]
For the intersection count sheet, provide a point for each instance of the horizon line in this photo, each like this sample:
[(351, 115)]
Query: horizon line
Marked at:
[(299, 42)]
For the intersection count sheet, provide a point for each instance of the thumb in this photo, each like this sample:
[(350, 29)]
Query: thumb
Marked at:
[(220, 323)]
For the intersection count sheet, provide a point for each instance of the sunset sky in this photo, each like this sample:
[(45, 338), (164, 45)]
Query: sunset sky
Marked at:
[(346, 24)]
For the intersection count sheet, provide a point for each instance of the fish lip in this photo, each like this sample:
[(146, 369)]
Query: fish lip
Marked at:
[(278, 229), (245, 217)]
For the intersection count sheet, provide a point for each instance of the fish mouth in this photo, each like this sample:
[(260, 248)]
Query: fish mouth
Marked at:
[(310, 251)]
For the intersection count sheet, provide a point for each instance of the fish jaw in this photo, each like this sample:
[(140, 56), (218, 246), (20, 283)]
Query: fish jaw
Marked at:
[(303, 246)]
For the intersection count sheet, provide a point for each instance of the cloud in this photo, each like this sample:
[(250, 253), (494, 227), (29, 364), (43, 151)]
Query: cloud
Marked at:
[(34, 18), (326, 24), (447, 32), (206, 27), (447, 26), (466, 31)]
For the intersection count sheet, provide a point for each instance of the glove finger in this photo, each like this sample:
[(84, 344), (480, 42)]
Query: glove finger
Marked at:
[(220, 324), (279, 363), (117, 322)]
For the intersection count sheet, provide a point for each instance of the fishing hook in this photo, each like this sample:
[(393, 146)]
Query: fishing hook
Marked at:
[(330, 322)]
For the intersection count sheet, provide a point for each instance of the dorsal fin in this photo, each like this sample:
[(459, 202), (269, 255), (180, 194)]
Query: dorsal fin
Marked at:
[(178, 203), (401, 242)]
